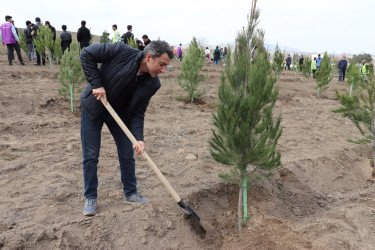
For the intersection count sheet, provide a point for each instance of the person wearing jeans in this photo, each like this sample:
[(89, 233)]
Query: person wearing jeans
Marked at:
[(216, 55), (29, 40), (127, 78), (342, 65), (40, 58), (90, 137), (11, 39)]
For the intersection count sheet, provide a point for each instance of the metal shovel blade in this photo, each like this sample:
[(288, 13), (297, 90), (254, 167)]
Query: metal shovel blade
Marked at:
[(188, 210)]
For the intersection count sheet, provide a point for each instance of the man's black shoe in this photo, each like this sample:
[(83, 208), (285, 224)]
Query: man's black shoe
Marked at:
[(22, 63)]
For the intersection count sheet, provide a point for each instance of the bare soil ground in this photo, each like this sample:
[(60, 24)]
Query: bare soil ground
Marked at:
[(322, 197)]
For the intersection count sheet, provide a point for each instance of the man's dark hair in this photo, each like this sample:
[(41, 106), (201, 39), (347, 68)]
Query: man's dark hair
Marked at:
[(47, 23), (83, 22), (129, 27), (37, 19), (27, 23), (7, 18), (63, 27), (145, 36), (157, 48), (114, 26)]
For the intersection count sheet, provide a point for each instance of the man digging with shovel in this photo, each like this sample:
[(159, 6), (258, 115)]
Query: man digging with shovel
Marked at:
[(127, 78)]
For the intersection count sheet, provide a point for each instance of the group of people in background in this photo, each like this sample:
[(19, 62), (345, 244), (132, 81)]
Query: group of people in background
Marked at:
[(219, 54), (128, 37), (342, 66), (11, 39)]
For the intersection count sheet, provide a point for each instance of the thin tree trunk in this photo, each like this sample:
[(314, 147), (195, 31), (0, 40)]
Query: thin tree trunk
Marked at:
[(253, 7), (244, 194), (50, 60), (74, 98), (240, 195)]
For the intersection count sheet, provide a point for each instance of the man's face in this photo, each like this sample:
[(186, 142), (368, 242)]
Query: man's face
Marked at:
[(113, 28), (145, 39), (157, 65)]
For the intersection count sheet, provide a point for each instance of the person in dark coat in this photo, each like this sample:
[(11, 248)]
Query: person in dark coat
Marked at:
[(66, 39), (301, 63), (342, 65), (47, 23), (140, 44), (288, 62), (216, 55), (29, 40), (34, 33), (128, 35), (83, 35), (127, 78), (146, 41)]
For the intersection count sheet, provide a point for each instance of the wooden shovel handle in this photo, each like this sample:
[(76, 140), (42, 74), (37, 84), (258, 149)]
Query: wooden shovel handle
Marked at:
[(161, 177)]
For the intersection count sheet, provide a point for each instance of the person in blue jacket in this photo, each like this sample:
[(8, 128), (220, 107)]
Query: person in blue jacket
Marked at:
[(318, 60), (342, 65), (127, 78)]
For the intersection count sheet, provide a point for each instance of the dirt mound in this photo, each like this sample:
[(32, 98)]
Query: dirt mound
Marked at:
[(321, 197)]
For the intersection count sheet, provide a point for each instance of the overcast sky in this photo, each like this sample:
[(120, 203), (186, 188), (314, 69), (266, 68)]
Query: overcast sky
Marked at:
[(335, 26)]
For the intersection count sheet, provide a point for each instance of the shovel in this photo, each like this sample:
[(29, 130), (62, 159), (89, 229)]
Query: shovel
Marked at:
[(190, 212)]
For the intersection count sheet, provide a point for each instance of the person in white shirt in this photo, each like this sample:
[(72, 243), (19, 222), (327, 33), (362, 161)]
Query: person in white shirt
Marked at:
[(207, 54)]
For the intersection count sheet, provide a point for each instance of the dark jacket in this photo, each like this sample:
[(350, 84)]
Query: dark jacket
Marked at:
[(83, 35), (148, 42), (139, 42), (127, 36), (288, 60), (301, 61), (36, 28), (66, 39), (28, 36), (343, 64), (53, 31), (127, 93), (216, 54)]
